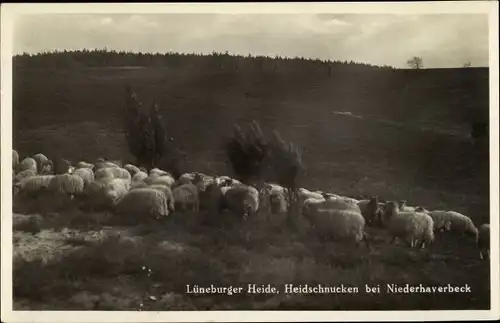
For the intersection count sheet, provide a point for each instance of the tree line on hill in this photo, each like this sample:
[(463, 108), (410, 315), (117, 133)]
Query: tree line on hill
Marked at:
[(211, 62)]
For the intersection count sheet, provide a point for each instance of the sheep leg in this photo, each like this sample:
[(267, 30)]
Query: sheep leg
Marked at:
[(392, 240), (422, 244), (366, 241)]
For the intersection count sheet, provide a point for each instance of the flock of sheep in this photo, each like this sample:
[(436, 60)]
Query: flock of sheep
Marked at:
[(136, 194)]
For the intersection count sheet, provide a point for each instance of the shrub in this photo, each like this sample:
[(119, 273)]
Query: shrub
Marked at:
[(147, 136), (255, 159)]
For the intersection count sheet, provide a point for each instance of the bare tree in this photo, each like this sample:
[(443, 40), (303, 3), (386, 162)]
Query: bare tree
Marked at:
[(415, 62)]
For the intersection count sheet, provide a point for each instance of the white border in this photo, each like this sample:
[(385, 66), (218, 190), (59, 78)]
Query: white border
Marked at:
[(8, 12)]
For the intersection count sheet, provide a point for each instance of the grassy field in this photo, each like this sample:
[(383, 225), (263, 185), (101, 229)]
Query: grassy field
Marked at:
[(405, 144)]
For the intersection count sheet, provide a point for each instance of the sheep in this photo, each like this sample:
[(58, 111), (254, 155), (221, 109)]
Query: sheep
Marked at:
[(67, 184), (212, 199), (47, 168), (304, 194), (104, 164), (142, 202), (82, 164), (15, 159), (86, 174), (186, 197), (404, 207), (26, 164), (278, 202), (40, 159), (112, 172), (454, 222), (62, 166), (202, 181), (24, 174), (338, 224), (409, 226), (186, 178), (274, 198), (483, 241), (370, 209), (160, 179), (115, 188), (348, 199), (341, 203), (168, 193), (34, 184), (275, 188), (159, 172), (220, 180), (242, 199), (132, 169), (106, 191), (139, 177)]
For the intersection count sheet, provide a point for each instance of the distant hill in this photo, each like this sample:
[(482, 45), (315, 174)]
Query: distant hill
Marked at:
[(449, 98)]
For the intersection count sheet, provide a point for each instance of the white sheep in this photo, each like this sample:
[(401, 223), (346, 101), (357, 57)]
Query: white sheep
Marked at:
[(186, 197), (483, 241), (83, 164), (34, 184), (112, 172), (274, 198), (348, 199), (242, 199), (139, 177), (132, 169), (26, 164), (304, 194), (104, 164), (221, 180), (408, 226), (159, 172), (143, 202), (278, 202), (168, 193), (67, 184), (41, 160), (275, 188), (406, 208), (338, 224), (24, 174), (115, 188), (159, 179), (186, 178), (86, 174), (15, 159), (454, 222), (341, 203), (47, 168)]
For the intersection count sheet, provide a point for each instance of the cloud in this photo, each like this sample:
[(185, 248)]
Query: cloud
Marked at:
[(444, 40)]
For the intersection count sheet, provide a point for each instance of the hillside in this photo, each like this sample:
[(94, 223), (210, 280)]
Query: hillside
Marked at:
[(398, 107), (363, 130)]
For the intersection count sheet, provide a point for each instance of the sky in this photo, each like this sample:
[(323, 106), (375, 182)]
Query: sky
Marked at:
[(441, 40)]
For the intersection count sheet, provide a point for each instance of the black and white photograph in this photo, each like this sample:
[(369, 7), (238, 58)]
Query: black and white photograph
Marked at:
[(250, 161)]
